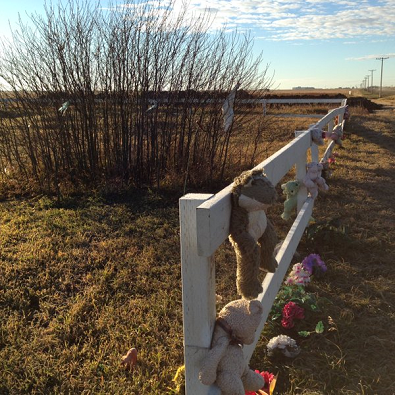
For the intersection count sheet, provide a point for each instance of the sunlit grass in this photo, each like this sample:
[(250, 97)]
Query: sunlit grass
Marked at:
[(83, 281)]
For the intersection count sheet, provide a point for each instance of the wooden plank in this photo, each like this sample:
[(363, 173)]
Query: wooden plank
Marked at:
[(300, 163), (193, 356), (314, 152), (330, 116), (213, 216), (297, 115), (328, 151), (341, 115), (272, 282), (278, 165), (198, 294), (213, 219), (302, 101), (300, 167)]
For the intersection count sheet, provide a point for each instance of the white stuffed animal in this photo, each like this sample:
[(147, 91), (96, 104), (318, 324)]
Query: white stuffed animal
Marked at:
[(317, 136), (224, 364)]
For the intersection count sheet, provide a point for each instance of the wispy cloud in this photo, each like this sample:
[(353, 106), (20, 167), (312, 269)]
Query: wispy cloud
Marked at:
[(300, 19), (370, 57)]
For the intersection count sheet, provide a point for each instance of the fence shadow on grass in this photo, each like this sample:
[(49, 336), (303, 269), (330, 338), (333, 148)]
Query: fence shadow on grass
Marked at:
[(361, 126)]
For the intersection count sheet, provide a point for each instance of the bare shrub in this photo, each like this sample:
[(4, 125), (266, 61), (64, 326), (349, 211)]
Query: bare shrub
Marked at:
[(130, 94)]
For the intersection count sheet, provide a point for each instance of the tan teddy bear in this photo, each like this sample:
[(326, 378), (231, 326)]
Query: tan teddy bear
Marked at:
[(251, 233), (313, 179), (224, 364)]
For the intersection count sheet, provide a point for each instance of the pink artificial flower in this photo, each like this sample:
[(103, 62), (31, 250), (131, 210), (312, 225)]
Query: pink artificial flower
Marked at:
[(291, 312), (287, 323), (298, 275), (290, 281), (291, 309), (331, 160)]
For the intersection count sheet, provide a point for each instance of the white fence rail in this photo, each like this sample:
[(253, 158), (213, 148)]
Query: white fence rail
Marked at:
[(204, 226), (265, 102)]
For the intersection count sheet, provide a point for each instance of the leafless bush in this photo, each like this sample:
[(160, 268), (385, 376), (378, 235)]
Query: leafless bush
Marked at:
[(141, 90)]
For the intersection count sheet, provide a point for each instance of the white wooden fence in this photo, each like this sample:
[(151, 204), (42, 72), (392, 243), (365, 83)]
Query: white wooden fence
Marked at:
[(265, 102), (204, 226)]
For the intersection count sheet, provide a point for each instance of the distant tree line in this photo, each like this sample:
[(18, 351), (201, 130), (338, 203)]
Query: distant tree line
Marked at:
[(131, 95)]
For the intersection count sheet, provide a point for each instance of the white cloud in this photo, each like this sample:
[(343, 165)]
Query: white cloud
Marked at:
[(297, 19), (370, 57)]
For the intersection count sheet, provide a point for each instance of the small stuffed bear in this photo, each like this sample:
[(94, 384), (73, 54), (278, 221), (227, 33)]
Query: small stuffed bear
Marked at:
[(326, 171), (317, 136), (313, 179), (251, 233), (224, 364), (336, 135), (290, 190)]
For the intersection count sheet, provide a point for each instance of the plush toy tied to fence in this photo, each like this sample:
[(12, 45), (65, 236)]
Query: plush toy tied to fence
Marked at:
[(326, 172), (290, 190), (313, 179), (336, 135), (251, 233), (224, 364), (317, 135)]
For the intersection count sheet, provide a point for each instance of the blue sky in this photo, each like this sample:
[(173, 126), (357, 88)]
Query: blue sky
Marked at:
[(320, 43)]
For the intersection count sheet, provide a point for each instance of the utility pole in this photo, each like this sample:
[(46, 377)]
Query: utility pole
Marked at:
[(371, 79), (381, 78), (367, 82)]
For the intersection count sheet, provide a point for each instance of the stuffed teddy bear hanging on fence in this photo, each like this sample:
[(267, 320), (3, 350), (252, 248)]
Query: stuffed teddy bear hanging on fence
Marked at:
[(290, 190), (317, 135), (313, 179), (326, 172), (224, 364), (336, 135), (251, 233)]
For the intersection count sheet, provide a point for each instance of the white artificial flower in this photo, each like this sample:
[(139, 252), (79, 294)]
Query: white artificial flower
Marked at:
[(286, 344)]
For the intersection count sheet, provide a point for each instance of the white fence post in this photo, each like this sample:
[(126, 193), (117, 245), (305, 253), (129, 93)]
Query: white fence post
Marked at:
[(330, 126), (300, 164), (198, 295)]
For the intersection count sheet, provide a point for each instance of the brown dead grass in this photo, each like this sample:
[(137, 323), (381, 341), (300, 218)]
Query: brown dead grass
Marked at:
[(358, 357), (83, 282)]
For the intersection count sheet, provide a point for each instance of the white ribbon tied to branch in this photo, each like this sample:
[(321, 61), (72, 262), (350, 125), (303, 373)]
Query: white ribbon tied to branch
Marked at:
[(64, 107), (227, 108)]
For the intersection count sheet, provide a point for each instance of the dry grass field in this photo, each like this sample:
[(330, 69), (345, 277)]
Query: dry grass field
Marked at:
[(83, 281)]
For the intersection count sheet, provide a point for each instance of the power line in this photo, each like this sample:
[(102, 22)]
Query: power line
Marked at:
[(381, 78)]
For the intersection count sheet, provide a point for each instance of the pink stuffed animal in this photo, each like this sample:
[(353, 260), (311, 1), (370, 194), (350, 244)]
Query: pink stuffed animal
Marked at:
[(313, 179), (336, 134)]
